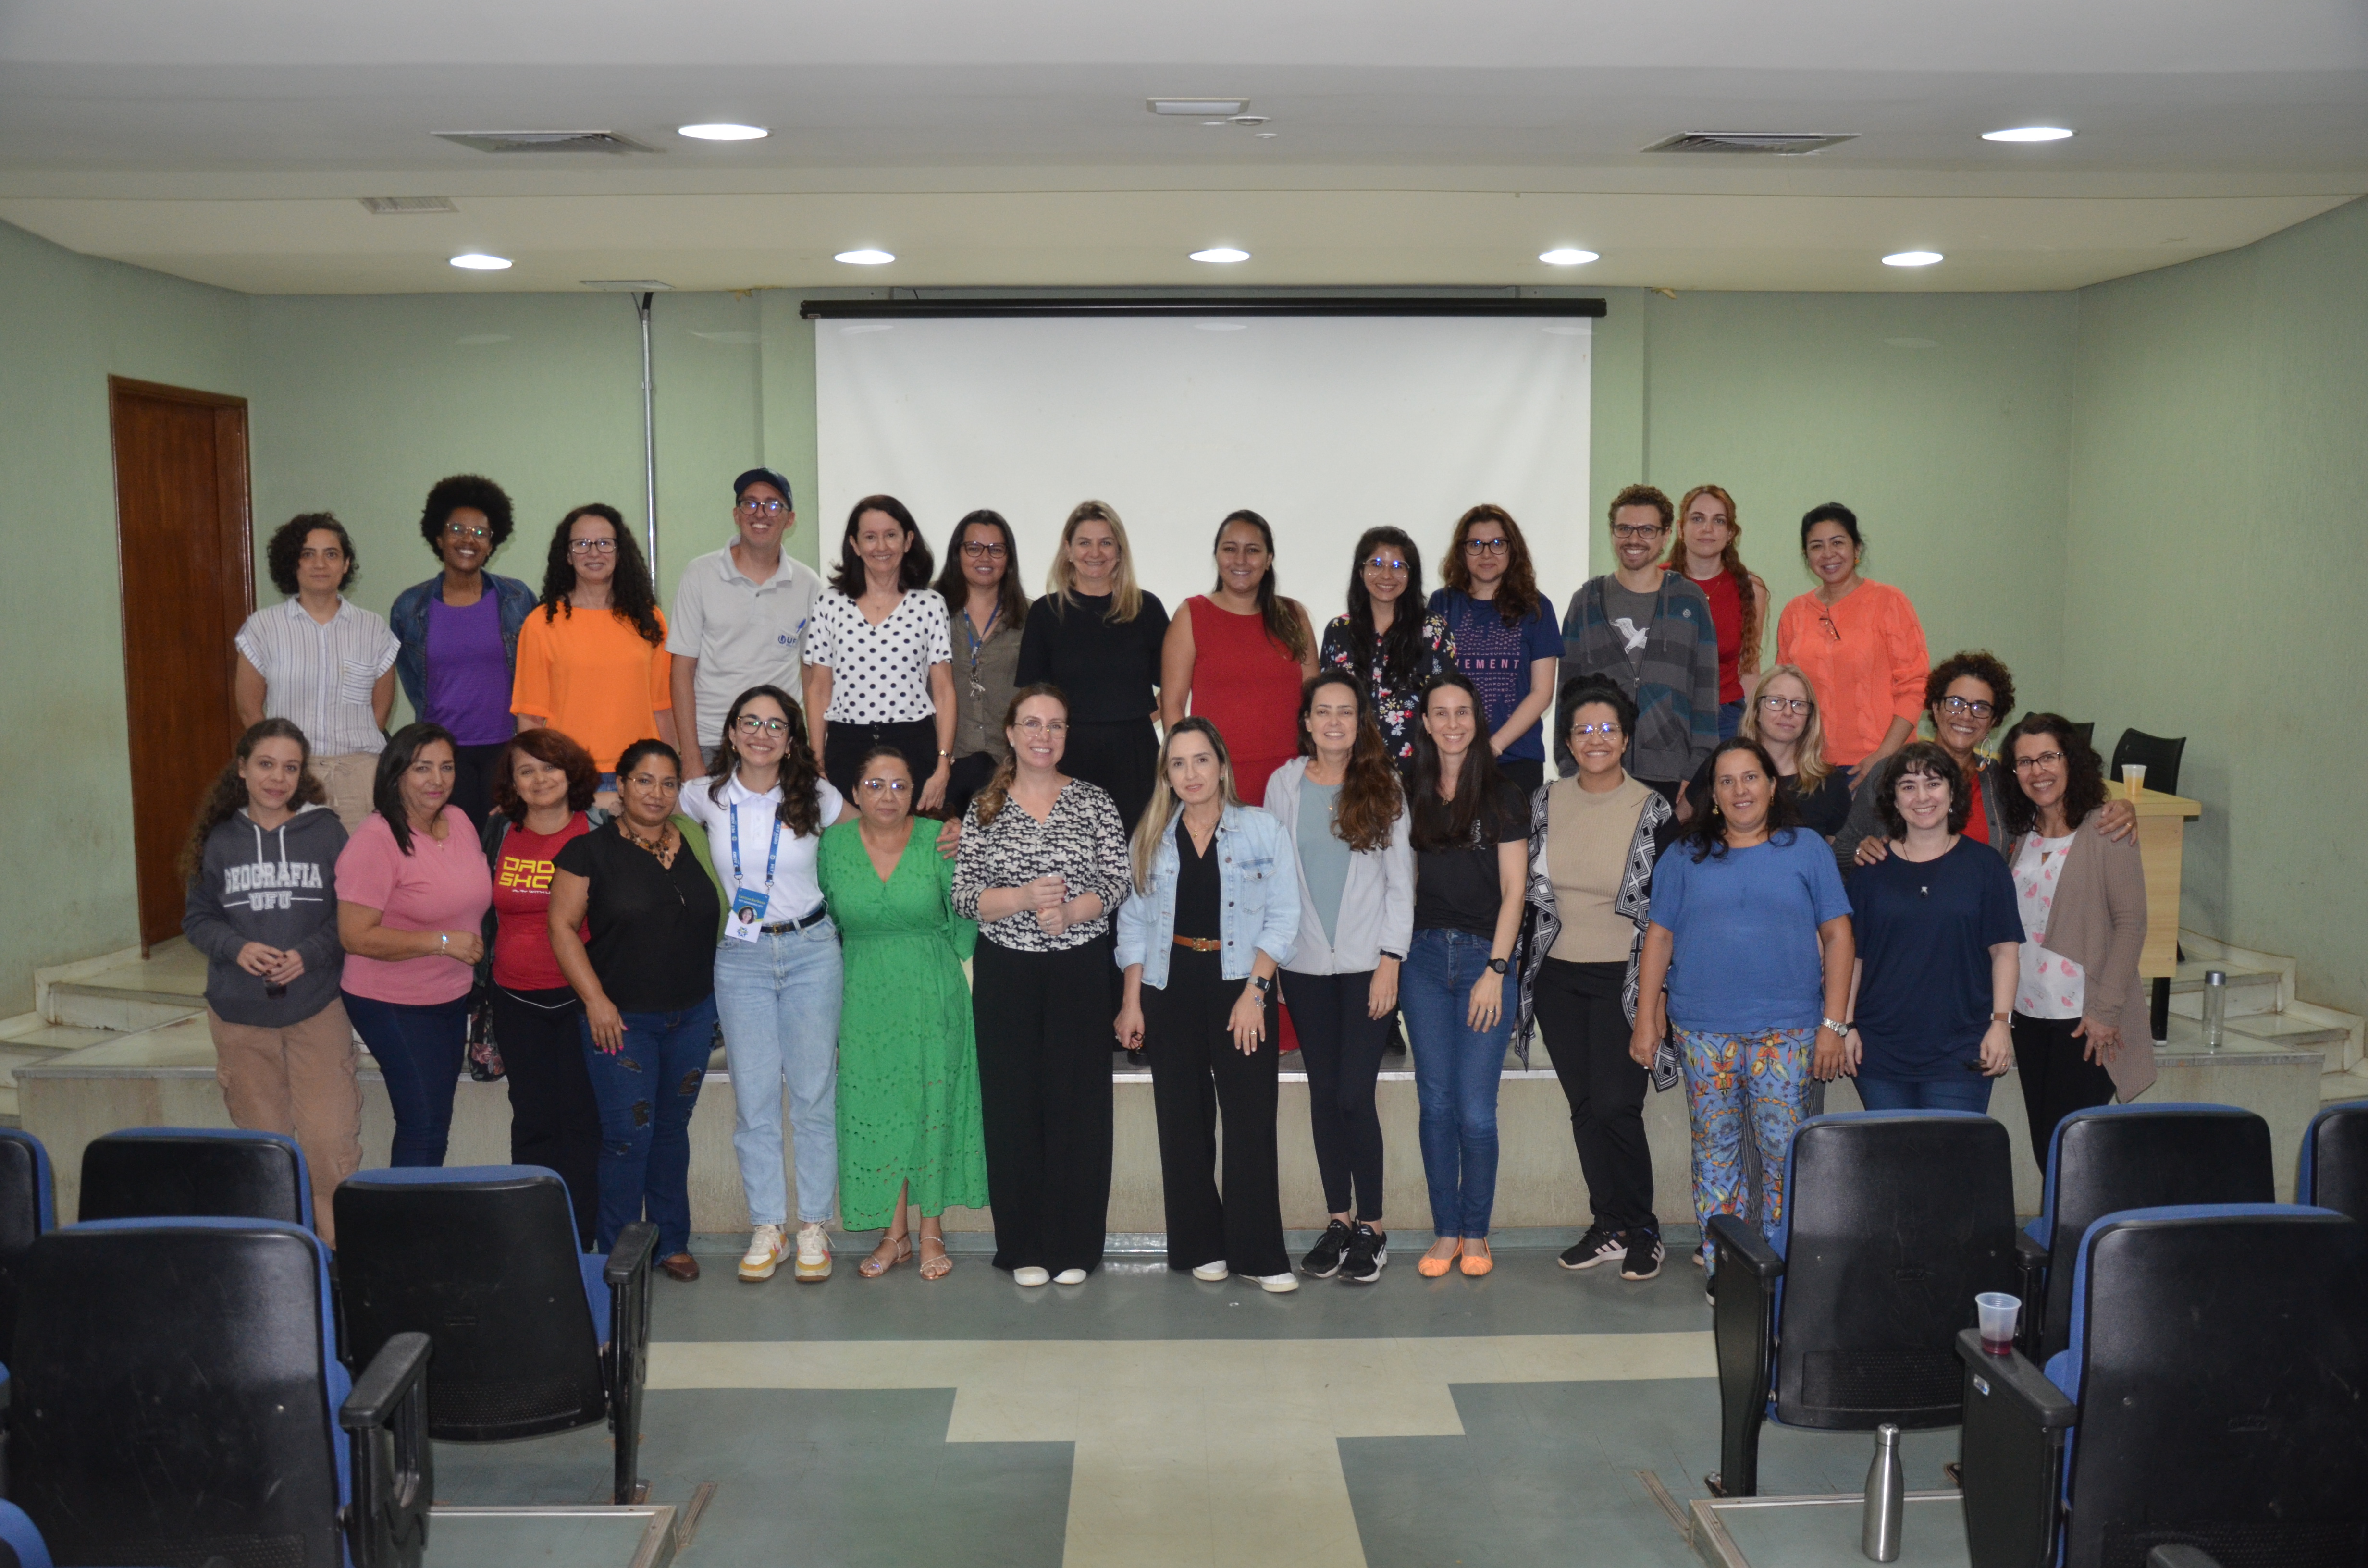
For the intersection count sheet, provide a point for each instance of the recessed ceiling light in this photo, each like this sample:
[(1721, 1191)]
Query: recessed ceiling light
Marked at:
[(1911, 258), (1196, 106), (1221, 253), (723, 132), (865, 257), (1265, 135), (1567, 256), (2029, 134), (478, 261)]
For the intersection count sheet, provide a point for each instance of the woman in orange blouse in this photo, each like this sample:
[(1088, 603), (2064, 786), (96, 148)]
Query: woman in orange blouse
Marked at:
[(1859, 642), (591, 658)]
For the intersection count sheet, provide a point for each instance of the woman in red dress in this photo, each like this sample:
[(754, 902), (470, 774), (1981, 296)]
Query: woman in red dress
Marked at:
[(1236, 655)]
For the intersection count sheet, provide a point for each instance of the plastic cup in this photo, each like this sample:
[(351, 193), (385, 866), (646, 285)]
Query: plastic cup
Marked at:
[(2134, 781), (1997, 1313)]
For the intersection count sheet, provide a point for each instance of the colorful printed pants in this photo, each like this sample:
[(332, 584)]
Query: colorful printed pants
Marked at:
[(1728, 1077)]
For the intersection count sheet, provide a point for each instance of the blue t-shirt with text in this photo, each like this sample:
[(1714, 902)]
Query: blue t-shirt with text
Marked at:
[(1496, 658)]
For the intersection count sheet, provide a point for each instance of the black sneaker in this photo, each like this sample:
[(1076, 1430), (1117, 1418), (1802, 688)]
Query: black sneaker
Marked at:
[(1643, 1258), (1600, 1244), (1368, 1251), (1710, 1289), (1325, 1261)]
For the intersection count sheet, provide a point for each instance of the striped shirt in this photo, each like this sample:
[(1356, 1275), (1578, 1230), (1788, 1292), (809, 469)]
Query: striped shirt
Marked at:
[(320, 677)]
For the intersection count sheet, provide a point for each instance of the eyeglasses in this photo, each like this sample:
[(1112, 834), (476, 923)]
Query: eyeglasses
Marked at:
[(1787, 704), (1044, 726), (2043, 760), (894, 785), (1832, 632), (593, 546), (752, 726), (1486, 546), (1958, 707), (465, 531), (1637, 530), (1609, 728), (1384, 564), (763, 508), (652, 781), (984, 550)]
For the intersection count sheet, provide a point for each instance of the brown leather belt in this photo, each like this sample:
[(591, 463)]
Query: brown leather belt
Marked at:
[(1200, 944)]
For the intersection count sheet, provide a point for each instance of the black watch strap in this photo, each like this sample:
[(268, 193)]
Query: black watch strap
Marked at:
[(1500, 965)]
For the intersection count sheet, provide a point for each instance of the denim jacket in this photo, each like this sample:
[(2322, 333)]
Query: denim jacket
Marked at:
[(1257, 875), (409, 619)]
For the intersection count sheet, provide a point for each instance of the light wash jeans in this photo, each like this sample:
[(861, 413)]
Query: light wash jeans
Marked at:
[(778, 998)]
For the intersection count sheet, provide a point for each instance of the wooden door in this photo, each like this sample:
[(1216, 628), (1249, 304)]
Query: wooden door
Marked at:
[(187, 565)]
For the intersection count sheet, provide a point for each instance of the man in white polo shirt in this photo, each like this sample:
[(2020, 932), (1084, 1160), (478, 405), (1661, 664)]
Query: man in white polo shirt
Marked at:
[(740, 614)]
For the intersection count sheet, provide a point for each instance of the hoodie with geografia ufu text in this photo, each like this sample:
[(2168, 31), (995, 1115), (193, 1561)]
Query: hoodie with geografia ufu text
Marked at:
[(277, 886)]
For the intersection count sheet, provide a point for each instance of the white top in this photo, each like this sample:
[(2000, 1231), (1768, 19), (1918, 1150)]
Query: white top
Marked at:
[(319, 678), (743, 632), (794, 892), (880, 675), (2050, 985)]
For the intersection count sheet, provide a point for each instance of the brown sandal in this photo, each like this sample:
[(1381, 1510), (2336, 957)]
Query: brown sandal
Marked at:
[(897, 1248), (942, 1264)]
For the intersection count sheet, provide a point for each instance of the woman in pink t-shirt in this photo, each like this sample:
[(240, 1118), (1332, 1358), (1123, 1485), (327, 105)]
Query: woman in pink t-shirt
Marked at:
[(412, 895)]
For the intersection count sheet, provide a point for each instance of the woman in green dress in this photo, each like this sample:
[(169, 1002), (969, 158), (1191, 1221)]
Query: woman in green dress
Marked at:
[(909, 1136)]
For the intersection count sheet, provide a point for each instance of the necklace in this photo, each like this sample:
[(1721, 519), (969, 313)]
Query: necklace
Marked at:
[(656, 847)]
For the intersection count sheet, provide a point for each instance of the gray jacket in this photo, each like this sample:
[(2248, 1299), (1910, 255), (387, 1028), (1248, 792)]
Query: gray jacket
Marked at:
[(277, 887), (1655, 826), (1376, 905)]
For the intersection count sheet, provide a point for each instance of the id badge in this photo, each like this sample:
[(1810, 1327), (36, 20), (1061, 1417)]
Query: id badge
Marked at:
[(747, 915)]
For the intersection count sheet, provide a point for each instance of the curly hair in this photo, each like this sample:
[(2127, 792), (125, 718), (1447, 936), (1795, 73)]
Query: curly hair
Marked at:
[(1517, 590), (798, 811), (287, 543), (1643, 495), (2083, 773), (1730, 561), (1984, 667), (1284, 627), (1371, 797), (631, 597), (553, 749), (1705, 833), (402, 749), (1927, 759), (1401, 645), (229, 792), (1465, 822), (989, 801), (912, 572), (476, 492)]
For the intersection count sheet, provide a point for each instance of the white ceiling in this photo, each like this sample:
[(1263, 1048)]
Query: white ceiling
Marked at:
[(1415, 144)]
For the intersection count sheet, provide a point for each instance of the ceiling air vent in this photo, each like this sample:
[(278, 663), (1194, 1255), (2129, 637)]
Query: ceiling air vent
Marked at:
[(388, 206), (1779, 142), (545, 141)]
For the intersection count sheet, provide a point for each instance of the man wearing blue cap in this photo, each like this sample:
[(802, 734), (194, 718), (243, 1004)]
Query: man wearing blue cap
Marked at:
[(740, 613)]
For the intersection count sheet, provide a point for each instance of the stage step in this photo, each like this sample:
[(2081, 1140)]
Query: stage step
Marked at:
[(29, 1039), (124, 991)]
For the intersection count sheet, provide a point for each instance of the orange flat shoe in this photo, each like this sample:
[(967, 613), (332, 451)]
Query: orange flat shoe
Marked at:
[(1475, 1264), (1432, 1267)]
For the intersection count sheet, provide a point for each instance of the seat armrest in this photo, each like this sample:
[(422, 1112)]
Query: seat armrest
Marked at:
[(2017, 1423), (2029, 1252), (635, 1244), (624, 1360), (1737, 1242), (394, 1464), (400, 1365), (2017, 1376), (2175, 1555), (2031, 1284)]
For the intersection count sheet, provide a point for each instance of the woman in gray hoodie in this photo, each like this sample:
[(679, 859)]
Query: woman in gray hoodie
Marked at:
[(261, 863)]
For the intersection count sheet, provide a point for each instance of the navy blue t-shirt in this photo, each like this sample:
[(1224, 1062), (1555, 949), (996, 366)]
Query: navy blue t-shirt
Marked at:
[(1925, 930)]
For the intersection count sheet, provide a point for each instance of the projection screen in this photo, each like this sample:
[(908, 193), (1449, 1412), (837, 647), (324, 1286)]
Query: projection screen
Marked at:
[(1326, 426)]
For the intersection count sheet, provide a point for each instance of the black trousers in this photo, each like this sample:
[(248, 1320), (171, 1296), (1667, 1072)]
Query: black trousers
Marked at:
[(968, 776), (1197, 1072), (843, 744), (1586, 1036), (1121, 757), (1527, 772), (2057, 1078), (1044, 1027), (473, 782), (1341, 1049), (554, 1122)]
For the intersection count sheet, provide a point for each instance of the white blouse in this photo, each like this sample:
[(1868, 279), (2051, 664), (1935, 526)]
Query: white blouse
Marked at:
[(2049, 985), (880, 675), (793, 893)]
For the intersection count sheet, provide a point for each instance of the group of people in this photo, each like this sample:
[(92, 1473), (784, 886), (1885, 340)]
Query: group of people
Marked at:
[(1199, 837)]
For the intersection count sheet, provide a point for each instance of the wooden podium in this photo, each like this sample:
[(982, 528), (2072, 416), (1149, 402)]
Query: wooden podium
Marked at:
[(2162, 844)]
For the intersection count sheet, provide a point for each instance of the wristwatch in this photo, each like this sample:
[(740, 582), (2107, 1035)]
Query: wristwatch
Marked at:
[(1500, 965), (1835, 1024), (1264, 983)]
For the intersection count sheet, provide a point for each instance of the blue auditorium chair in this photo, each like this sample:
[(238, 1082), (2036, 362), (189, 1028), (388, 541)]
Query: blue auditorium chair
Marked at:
[(2214, 1394), (153, 1173), (1894, 1222), (20, 1544), (2129, 1156), (532, 1336), (179, 1399), (2333, 1171), (28, 1208)]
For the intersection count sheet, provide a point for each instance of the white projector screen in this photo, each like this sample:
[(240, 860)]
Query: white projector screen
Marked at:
[(1326, 426)]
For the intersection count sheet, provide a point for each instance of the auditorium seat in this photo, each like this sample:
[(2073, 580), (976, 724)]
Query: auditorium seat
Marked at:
[(2210, 1394), (2333, 1171), (28, 1208), (1896, 1221), (532, 1336), (155, 1173), (2129, 1156), (178, 1400), (20, 1544)]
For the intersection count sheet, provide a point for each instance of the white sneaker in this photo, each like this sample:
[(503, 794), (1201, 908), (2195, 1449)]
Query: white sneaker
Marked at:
[(1070, 1277), (1209, 1273), (1032, 1276), (813, 1255), (767, 1247), (1277, 1284)]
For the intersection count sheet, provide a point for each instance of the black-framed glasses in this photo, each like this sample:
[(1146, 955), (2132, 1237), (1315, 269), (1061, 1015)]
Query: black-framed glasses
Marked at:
[(984, 550), (1486, 546), (2042, 759), (594, 546), (466, 530), (1958, 707), (1637, 530), (750, 725), (894, 785), (1787, 704), (763, 508), (1384, 564)]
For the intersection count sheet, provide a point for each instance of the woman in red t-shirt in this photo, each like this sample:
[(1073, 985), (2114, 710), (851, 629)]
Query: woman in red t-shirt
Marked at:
[(1236, 655), (544, 784), (1704, 550)]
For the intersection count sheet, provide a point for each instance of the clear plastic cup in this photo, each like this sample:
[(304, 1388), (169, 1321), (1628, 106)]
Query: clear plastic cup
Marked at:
[(2134, 781), (1997, 1313)]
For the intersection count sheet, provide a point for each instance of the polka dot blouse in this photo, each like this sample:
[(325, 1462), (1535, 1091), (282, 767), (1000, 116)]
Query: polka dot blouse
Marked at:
[(880, 675)]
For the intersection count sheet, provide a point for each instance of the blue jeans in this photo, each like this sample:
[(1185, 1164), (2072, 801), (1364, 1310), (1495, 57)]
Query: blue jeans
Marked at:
[(646, 1092), (1730, 719), (778, 998), (417, 1047), (1967, 1091), (1456, 1070)]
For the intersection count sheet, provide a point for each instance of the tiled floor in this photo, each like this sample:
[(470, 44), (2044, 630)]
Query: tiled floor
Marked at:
[(1144, 1418)]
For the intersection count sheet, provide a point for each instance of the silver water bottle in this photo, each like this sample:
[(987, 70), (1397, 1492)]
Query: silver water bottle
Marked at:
[(2215, 1008), (1886, 1499)]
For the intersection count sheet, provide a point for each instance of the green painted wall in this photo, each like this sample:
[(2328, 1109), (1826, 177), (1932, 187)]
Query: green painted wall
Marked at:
[(2217, 567)]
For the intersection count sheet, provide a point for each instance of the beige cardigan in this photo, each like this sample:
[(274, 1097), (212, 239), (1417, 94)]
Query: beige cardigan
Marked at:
[(2099, 920)]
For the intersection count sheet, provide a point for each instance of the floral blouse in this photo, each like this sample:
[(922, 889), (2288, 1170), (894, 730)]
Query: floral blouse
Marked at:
[(1082, 842), (1394, 703)]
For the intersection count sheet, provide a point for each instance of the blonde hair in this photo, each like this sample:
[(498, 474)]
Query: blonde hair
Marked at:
[(1060, 581), (1162, 810), (1809, 765)]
